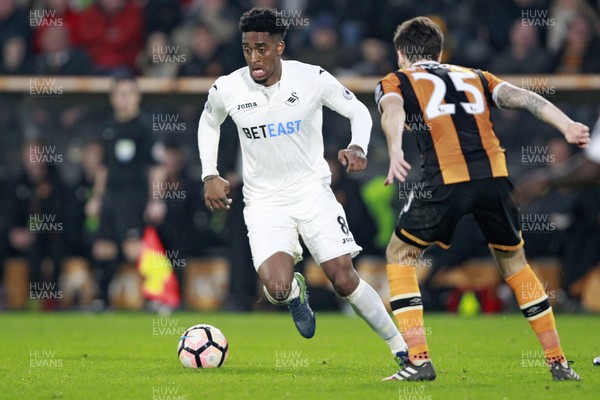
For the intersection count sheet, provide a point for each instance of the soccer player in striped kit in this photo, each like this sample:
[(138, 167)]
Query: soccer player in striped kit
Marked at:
[(464, 171)]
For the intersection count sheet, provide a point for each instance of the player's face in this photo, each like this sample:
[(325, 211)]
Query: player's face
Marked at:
[(262, 52)]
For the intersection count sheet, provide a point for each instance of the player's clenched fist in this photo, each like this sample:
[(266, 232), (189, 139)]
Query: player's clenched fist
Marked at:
[(354, 158), (578, 134), (216, 190)]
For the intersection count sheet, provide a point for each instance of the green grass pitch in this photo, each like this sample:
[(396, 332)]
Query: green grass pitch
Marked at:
[(133, 356)]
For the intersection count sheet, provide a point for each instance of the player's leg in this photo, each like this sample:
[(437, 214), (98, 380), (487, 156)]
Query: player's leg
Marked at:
[(498, 217), (365, 301), (429, 216), (534, 304), (275, 250), (284, 287), (405, 296), (328, 237), (276, 274)]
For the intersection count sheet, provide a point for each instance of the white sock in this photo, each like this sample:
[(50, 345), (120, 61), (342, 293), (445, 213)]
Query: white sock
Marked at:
[(368, 305), (295, 292)]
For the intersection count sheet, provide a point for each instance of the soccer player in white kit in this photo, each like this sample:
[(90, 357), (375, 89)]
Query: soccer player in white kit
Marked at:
[(277, 108)]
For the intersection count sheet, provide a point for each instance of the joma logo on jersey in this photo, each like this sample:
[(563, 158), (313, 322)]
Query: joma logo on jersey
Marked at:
[(272, 130), (246, 105)]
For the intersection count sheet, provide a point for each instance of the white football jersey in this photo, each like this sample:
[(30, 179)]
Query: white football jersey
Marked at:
[(593, 149), (280, 128)]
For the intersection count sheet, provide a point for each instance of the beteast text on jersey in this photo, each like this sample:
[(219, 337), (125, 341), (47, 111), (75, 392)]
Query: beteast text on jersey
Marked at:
[(272, 130)]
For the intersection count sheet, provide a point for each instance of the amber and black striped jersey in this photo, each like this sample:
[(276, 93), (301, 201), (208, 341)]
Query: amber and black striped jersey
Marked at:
[(448, 109)]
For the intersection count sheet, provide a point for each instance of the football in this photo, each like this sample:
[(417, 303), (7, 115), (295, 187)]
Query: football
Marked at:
[(596, 361), (202, 346)]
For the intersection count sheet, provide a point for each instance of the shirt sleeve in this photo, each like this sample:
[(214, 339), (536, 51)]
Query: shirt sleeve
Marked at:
[(341, 100), (388, 86), (592, 152), (493, 85), (209, 130)]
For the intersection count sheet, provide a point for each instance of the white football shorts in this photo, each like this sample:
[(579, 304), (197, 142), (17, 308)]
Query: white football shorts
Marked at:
[(317, 217)]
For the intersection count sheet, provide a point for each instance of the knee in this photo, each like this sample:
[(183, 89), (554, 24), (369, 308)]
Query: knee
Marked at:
[(345, 280), (399, 252), (510, 262), (279, 290), (277, 274)]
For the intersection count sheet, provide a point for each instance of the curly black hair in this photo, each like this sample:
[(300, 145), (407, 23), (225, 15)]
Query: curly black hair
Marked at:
[(264, 20)]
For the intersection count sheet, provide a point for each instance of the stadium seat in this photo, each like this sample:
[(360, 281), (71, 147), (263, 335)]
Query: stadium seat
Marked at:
[(589, 297), (16, 283), (76, 283), (206, 283), (125, 290)]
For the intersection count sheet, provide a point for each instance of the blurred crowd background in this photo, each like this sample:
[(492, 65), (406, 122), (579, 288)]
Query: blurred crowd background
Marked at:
[(345, 37), (81, 174)]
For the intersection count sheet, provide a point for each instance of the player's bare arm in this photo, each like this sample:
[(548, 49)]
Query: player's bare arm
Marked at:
[(392, 122), (353, 158), (216, 190), (510, 96)]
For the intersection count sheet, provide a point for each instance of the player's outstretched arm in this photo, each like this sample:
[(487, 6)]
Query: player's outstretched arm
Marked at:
[(510, 96), (392, 122)]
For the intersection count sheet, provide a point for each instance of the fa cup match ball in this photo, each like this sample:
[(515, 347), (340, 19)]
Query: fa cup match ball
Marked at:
[(202, 346)]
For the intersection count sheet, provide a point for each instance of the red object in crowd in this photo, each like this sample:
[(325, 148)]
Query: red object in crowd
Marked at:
[(69, 20), (112, 41)]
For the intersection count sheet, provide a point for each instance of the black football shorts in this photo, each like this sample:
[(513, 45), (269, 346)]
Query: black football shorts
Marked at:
[(431, 213)]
